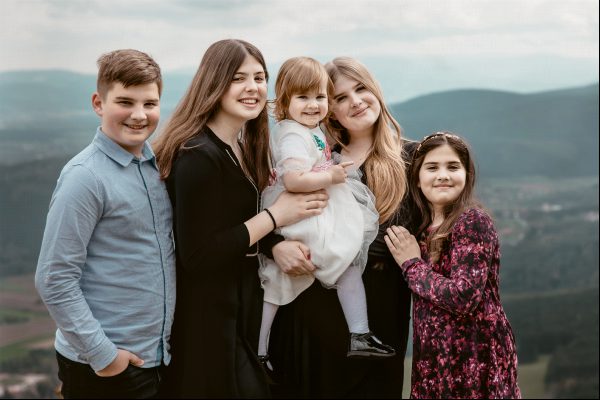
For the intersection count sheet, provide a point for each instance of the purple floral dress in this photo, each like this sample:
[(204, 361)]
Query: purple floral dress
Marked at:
[(463, 345)]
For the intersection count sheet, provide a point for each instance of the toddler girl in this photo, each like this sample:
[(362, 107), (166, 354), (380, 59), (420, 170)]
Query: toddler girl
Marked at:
[(339, 237)]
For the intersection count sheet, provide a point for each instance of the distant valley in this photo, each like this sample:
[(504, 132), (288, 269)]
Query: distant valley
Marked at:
[(538, 160)]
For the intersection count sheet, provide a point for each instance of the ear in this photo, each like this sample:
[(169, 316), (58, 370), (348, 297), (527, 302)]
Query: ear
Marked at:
[(97, 104)]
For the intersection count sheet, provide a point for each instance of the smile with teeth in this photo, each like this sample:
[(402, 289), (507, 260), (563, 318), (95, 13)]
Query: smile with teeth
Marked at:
[(130, 126), (249, 101)]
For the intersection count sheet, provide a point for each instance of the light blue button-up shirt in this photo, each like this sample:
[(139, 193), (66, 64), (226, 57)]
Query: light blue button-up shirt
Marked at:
[(106, 269)]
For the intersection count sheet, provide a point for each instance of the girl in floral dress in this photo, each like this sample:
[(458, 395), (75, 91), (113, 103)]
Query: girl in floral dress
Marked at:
[(463, 344), (340, 236)]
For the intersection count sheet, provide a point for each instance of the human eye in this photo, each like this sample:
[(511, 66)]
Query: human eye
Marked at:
[(454, 167), (340, 99), (238, 78), (360, 88), (302, 97), (151, 104), (259, 78), (322, 97), (124, 102)]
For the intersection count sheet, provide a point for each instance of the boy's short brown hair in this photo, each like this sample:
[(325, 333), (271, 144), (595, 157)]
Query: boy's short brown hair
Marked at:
[(129, 67)]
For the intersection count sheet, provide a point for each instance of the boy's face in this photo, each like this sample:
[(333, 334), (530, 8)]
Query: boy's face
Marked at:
[(129, 115)]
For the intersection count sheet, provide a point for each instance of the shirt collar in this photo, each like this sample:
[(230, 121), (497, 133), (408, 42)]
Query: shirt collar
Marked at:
[(119, 154)]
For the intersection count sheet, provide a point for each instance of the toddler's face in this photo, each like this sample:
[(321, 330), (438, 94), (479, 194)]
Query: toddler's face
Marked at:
[(309, 109)]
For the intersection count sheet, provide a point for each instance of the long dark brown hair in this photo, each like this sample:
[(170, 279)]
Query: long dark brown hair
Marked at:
[(436, 241), (202, 101)]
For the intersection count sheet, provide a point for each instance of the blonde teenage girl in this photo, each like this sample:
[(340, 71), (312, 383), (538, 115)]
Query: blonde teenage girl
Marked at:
[(338, 238)]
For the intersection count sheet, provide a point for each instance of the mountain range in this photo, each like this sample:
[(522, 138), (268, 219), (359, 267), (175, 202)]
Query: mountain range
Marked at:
[(46, 118), (47, 114), (537, 153)]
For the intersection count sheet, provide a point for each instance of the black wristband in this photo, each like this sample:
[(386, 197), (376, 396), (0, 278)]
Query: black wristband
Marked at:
[(272, 218)]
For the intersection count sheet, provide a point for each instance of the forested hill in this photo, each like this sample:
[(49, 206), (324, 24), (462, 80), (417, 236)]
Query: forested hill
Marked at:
[(537, 153), (48, 114), (546, 134)]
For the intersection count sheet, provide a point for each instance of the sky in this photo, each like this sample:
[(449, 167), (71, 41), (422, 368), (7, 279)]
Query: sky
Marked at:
[(412, 46)]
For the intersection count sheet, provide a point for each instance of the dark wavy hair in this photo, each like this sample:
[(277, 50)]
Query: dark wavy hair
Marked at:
[(438, 239)]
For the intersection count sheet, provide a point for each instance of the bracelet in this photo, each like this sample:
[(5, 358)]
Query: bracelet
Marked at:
[(272, 218)]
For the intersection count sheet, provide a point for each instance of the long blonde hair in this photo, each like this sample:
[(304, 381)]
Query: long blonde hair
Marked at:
[(384, 167), (202, 101)]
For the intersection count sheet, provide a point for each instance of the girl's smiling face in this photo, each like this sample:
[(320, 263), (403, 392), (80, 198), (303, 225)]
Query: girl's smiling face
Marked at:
[(247, 93), (309, 109), (442, 177), (354, 107)]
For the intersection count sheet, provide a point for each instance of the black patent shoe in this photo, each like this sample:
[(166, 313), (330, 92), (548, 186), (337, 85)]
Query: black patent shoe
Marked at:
[(268, 369), (367, 345)]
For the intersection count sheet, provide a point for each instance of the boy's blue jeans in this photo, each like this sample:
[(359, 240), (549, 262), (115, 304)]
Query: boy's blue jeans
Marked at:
[(79, 381)]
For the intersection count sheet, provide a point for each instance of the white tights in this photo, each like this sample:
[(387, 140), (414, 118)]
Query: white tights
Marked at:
[(351, 293)]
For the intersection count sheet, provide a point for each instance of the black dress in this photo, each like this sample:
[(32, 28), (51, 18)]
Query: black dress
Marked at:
[(219, 298), (309, 338)]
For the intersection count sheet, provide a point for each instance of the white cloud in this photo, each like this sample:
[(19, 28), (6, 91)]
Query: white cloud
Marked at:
[(71, 34)]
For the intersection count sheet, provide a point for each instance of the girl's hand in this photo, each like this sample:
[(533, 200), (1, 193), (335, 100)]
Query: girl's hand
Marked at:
[(402, 244), (293, 257), (290, 208), (338, 172)]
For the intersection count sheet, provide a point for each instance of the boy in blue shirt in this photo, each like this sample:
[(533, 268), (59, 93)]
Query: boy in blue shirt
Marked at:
[(106, 269)]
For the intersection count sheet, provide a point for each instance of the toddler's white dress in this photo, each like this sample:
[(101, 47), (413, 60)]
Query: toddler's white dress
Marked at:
[(339, 237)]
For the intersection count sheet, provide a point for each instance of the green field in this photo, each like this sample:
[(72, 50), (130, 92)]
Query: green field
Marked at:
[(20, 350), (14, 316)]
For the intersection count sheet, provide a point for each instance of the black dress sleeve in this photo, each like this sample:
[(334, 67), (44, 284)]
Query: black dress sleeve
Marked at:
[(268, 242), (203, 237)]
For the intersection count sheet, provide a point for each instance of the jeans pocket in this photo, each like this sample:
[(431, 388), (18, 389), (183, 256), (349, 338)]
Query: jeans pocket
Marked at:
[(140, 382), (120, 376)]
